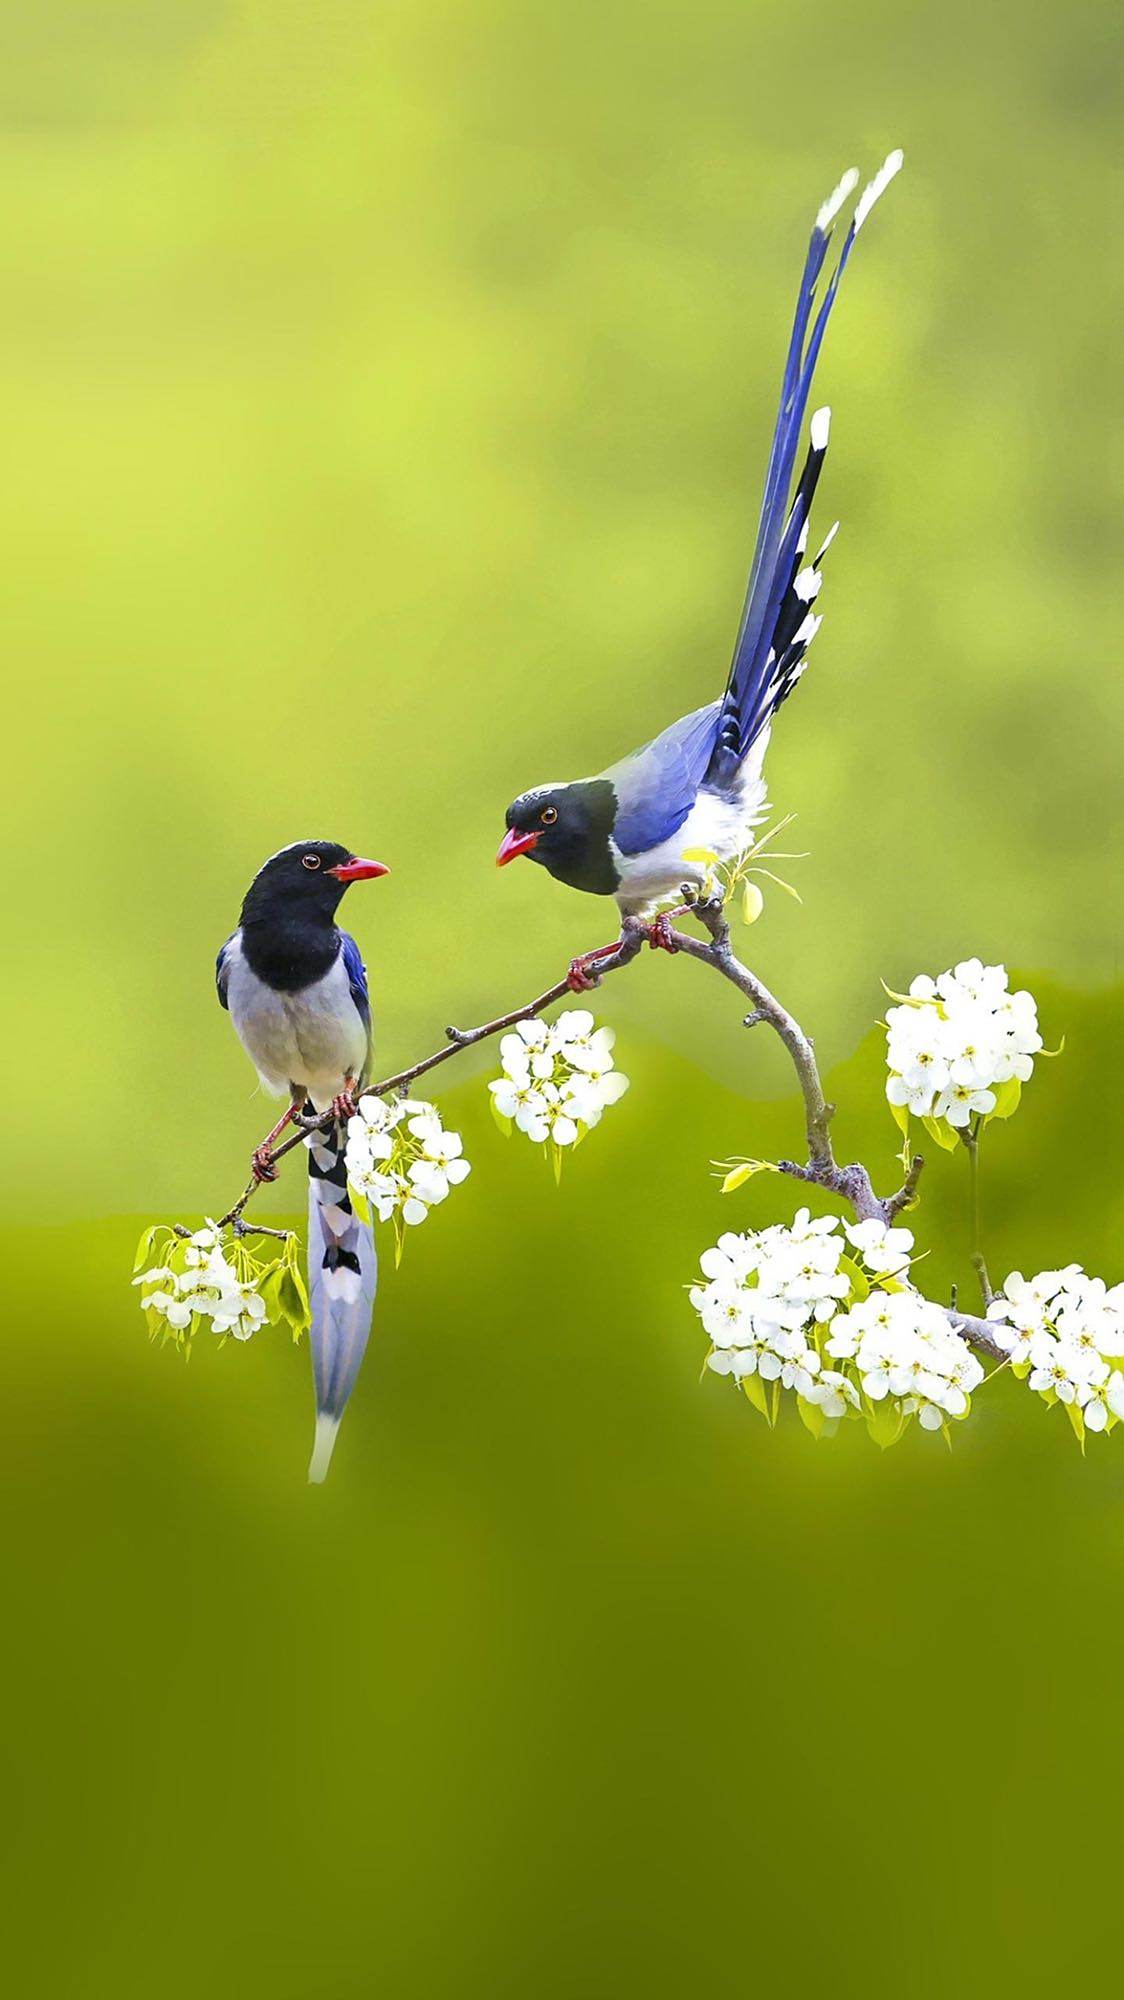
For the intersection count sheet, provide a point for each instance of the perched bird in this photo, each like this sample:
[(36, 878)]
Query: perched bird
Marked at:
[(637, 830), (296, 989)]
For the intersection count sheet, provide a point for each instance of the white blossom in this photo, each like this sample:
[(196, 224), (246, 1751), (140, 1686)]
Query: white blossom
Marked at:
[(1063, 1330), (557, 1078), (785, 1304), (953, 1040), (199, 1282), (401, 1159)]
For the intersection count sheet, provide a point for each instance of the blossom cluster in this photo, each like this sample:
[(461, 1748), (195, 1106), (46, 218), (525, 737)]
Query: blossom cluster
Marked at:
[(825, 1308), (401, 1159), (1063, 1331), (954, 1041), (208, 1280), (557, 1077)]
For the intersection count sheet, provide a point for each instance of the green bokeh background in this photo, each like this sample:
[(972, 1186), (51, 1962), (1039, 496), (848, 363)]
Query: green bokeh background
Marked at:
[(385, 391)]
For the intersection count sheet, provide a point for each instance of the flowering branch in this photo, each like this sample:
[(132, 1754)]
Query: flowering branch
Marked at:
[(850, 1183)]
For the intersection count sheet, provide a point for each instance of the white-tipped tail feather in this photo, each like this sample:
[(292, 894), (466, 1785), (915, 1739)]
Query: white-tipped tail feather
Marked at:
[(891, 165), (836, 198), (820, 428), (327, 1429)]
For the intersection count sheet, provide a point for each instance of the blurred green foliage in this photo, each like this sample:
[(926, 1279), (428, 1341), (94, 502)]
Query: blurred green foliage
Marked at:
[(385, 395)]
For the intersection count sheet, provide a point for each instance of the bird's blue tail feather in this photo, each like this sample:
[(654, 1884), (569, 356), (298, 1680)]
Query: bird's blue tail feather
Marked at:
[(775, 627), (342, 1278)]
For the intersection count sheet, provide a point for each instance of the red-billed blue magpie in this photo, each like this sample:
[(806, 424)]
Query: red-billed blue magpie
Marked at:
[(296, 989), (636, 831)]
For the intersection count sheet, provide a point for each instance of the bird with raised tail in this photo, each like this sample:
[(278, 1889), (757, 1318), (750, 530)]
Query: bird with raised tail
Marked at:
[(295, 987), (638, 830)]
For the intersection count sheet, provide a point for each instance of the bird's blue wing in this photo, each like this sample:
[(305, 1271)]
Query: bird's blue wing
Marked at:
[(222, 972), (656, 786), (357, 979)]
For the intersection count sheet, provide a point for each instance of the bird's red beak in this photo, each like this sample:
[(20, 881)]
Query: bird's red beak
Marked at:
[(356, 870), (514, 844)]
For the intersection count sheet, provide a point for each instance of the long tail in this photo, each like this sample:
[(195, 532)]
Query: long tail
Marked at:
[(777, 625), (342, 1277)]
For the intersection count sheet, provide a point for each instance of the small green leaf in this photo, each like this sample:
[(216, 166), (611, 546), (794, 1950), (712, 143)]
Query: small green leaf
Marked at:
[(506, 1125), (885, 1423), (942, 1134), (860, 1285), (1007, 1097), (811, 1416), (755, 1389), (359, 1203), (144, 1247), (753, 902), (556, 1153), (294, 1299), (739, 1175), (781, 883), (704, 854), (900, 1115), (1078, 1423)]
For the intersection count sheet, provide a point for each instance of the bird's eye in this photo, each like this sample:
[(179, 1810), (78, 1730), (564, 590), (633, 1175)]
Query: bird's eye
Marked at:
[(548, 815), (310, 861)]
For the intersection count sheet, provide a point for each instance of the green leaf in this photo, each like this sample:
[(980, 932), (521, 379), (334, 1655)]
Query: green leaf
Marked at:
[(860, 1284), (144, 1247), (270, 1291), (704, 854), (885, 1423), (912, 999), (1007, 1097), (1078, 1423), (900, 1115), (294, 1299), (738, 1176), (753, 902), (506, 1125), (781, 883), (755, 1389), (811, 1416), (556, 1152), (359, 1203), (942, 1134)]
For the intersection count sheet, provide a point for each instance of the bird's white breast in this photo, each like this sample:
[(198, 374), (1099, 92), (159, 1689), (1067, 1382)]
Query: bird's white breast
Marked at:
[(714, 825), (314, 1037)]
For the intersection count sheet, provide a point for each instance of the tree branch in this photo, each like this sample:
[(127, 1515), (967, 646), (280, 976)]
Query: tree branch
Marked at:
[(851, 1183)]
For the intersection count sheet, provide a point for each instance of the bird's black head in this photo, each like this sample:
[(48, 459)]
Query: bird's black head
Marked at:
[(305, 883), (566, 828)]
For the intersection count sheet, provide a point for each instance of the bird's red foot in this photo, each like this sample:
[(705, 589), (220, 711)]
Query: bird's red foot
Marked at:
[(343, 1107), (660, 934), (583, 975), (261, 1163)]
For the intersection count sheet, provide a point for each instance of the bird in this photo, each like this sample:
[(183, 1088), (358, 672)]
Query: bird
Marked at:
[(295, 988), (643, 829)]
